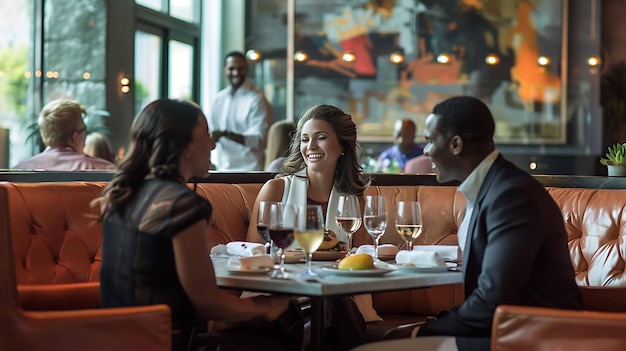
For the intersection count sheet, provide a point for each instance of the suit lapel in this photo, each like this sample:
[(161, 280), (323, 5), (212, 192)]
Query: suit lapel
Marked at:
[(471, 232)]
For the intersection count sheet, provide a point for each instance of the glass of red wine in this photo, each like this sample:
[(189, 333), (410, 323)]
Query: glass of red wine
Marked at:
[(263, 222), (281, 224)]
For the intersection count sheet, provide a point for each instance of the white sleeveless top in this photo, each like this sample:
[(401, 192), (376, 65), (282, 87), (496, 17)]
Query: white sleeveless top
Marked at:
[(295, 192)]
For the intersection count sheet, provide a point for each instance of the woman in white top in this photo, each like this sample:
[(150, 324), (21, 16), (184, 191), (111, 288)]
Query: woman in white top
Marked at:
[(322, 164)]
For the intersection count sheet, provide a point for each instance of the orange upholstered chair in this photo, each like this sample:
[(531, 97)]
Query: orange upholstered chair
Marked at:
[(521, 328), (131, 328)]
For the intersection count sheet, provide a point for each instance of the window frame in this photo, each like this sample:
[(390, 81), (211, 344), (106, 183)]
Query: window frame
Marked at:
[(171, 28)]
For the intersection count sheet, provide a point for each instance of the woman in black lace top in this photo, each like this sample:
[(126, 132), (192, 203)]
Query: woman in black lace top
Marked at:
[(155, 246)]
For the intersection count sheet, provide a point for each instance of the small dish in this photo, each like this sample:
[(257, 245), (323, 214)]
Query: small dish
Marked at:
[(294, 256), (253, 271), (356, 273), (328, 255), (386, 257), (423, 269)]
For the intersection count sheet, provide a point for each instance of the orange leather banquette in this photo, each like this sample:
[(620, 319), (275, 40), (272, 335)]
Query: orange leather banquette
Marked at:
[(56, 242), (522, 328), (121, 329)]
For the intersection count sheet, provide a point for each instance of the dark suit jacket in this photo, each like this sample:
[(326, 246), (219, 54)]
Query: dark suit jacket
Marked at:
[(516, 253)]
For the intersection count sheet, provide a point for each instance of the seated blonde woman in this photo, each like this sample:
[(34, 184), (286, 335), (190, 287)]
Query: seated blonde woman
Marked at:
[(278, 139), (97, 145)]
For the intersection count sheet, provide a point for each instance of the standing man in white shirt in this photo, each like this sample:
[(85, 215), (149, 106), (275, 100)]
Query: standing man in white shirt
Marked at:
[(239, 118)]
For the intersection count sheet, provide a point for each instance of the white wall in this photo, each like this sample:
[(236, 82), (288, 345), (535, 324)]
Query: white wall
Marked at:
[(223, 31)]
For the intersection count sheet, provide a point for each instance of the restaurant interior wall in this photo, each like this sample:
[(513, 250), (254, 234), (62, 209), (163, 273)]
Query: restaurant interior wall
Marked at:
[(375, 93)]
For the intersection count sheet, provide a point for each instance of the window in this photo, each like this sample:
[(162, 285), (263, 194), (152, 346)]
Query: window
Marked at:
[(147, 68), (16, 77), (183, 9), (180, 70), (166, 53), (186, 10), (156, 5)]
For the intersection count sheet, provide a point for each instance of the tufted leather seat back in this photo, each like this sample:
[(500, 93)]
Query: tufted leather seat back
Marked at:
[(55, 240), (595, 220), (120, 329), (232, 207), (442, 211)]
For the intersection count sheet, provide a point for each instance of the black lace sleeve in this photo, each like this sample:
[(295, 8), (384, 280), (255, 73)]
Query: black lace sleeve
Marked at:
[(172, 210)]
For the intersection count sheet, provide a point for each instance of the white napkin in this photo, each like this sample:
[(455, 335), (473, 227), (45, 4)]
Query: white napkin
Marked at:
[(245, 248), (219, 250), (447, 252), (420, 258), (383, 250), (251, 263)]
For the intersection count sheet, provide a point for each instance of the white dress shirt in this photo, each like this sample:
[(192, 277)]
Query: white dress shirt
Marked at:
[(246, 112), (470, 188)]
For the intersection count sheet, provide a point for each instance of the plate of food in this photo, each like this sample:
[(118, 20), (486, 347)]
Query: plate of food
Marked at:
[(294, 256), (248, 271), (423, 269), (386, 257), (328, 255), (374, 272), (358, 265), (331, 248)]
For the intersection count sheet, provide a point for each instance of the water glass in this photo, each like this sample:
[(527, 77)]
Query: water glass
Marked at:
[(375, 219), (348, 216)]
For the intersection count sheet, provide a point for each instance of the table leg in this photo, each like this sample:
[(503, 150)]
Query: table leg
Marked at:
[(317, 324)]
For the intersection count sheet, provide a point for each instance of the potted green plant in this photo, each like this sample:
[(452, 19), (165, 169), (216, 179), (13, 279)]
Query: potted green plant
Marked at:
[(615, 160)]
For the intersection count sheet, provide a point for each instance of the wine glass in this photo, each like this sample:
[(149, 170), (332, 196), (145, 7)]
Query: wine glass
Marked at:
[(263, 221), (282, 217), (348, 216), (409, 222), (309, 232), (375, 219)]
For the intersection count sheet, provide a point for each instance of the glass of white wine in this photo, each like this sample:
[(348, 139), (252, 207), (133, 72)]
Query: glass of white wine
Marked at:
[(409, 222), (309, 232), (375, 219), (348, 216)]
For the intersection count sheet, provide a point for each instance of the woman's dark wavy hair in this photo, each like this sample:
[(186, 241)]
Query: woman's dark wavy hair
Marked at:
[(158, 136), (349, 176)]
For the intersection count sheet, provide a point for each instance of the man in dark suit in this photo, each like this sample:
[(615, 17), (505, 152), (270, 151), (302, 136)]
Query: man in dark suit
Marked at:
[(512, 235), (515, 244)]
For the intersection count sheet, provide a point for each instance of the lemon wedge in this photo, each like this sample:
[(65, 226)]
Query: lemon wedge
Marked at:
[(356, 262)]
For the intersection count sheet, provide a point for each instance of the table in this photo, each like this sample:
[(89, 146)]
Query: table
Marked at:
[(328, 285)]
